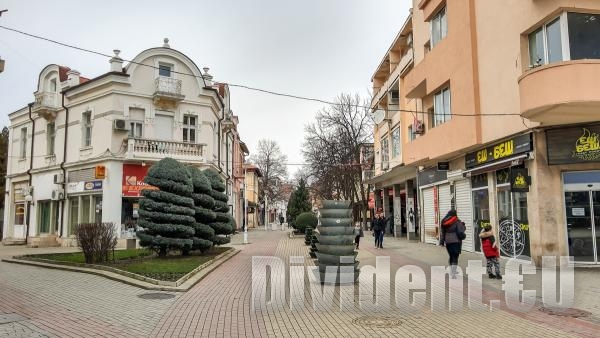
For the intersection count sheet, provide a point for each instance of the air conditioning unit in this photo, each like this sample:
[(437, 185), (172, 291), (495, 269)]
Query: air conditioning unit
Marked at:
[(418, 127), (59, 178), (58, 194), (121, 125)]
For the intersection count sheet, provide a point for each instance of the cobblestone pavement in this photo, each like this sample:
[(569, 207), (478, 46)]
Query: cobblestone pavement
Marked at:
[(37, 302)]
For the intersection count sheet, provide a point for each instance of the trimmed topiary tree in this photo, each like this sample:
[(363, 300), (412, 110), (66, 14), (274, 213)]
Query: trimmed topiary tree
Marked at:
[(308, 235), (306, 219), (167, 215), (223, 223), (203, 207), (298, 203)]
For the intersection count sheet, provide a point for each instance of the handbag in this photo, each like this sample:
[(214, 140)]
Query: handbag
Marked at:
[(459, 232)]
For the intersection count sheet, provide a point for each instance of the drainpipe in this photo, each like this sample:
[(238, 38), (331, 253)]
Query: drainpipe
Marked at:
[(29, 172), (62, 167), (219, 140)]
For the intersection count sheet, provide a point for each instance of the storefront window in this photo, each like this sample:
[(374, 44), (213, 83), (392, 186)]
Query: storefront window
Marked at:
[(73, 213), (481, 204), (19, 213)]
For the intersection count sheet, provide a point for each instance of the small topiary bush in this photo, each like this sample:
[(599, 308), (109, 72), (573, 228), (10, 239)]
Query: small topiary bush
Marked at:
[(304, 220)]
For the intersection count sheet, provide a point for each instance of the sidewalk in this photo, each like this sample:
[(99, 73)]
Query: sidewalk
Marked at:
[(587, 289)]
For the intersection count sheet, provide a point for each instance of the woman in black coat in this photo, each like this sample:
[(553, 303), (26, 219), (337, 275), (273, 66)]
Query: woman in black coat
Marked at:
[(452, 234)]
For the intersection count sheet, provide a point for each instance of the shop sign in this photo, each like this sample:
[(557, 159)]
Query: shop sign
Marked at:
[(519, 180), (100, 172), (443, 166), (431, 175), (77, 187), (498, 151), (133, 180), (573, 145)]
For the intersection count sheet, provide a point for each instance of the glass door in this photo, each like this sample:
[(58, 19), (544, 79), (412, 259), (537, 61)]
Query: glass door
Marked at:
[(581, 232)]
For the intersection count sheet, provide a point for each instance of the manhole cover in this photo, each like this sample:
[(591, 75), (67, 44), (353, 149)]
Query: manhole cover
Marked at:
[(573, 313), (376, 321), (156, 295)]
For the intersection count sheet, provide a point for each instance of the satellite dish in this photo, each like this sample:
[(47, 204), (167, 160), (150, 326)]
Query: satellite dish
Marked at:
[(379, 116)]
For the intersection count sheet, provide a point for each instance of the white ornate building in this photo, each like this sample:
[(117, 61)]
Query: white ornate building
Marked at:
[(80, 151)]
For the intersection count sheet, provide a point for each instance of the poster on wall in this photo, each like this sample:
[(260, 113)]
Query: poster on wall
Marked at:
[(133, 180)]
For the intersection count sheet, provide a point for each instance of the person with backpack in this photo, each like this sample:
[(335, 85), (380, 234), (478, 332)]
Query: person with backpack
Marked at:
[(451, 236), (489, 246)]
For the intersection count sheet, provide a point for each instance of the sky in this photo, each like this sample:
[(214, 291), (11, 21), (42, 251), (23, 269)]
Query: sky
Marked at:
[(311, 48)]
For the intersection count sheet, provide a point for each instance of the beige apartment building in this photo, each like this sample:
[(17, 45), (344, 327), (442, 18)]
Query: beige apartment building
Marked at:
[(254, 216), (79, 153), (492, 108)]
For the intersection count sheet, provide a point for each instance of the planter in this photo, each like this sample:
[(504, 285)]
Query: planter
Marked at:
[(335, 231), (335, 213), (328, 259), (329, 204), (336, 222), (339, 250), (337, 240)]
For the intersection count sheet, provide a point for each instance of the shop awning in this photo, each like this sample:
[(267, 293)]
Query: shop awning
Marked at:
[(504, 163)]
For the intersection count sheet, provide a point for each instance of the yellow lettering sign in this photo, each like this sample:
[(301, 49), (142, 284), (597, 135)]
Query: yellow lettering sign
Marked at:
[(482, 156), (503, 149)]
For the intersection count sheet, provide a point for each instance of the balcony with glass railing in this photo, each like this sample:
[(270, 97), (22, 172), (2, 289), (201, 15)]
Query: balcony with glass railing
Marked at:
[(46, 105), (148, 149)]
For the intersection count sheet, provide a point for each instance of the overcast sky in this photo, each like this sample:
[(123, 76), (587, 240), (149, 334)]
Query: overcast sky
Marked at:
[(314, 48)]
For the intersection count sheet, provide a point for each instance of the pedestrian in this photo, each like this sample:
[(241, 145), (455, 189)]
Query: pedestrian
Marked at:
[(489, 245), (358, 233), (280, 219), (378, 229), (452, 235)]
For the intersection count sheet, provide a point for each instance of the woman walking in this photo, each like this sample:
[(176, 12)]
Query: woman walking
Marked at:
[(358, 233), (452, 234)]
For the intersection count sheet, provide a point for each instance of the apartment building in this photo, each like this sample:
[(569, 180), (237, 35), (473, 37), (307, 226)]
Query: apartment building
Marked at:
[(79, 153), (491, 108), (254, 216)]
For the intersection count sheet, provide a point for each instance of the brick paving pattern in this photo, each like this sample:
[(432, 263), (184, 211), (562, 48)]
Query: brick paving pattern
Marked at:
[(54, 303)]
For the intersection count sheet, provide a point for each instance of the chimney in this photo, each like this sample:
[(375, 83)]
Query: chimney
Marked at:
[(73, 77), (116, 63), (207, 77)]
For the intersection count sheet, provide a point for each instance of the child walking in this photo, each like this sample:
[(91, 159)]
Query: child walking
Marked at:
[(491, 252)]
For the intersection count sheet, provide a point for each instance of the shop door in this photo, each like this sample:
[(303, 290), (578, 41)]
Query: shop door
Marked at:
[(465, 211), (429, 216), (582, 209)]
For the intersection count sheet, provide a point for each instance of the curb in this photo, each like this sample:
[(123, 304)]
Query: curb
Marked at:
[(181, 285)]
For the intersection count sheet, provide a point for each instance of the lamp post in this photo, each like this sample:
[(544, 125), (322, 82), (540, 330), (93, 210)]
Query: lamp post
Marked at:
[(245, 209)]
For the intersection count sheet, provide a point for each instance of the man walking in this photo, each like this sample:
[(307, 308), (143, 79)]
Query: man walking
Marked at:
[(379, 229)]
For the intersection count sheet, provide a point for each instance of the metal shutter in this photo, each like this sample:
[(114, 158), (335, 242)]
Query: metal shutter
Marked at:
[(464, 209), (444, 200), (429, 216), (81, 175)]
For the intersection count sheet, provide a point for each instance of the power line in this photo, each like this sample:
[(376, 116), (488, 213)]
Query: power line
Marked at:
[(298, 97)]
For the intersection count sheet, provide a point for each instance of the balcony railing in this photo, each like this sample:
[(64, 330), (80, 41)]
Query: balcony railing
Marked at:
[(167, 90), (46, 104), (406, 61), (158, 149)]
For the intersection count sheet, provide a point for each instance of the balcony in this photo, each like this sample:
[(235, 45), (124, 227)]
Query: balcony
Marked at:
[(561, 93), (46, 105), (146, 149), (167, 93)]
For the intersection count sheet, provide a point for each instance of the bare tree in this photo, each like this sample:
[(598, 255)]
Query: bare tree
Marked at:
[(272, 164), (332, 147)]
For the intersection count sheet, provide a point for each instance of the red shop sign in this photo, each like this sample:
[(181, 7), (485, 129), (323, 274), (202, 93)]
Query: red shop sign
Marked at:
[(133, 180)]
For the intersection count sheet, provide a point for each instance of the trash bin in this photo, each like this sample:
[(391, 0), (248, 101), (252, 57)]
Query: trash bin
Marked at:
[(130, 243)]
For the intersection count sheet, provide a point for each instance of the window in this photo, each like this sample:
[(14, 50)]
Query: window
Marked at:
[(441, 107), (52, 86), (23, 142), (48, 217), (135, 130), (84, 209), (411, 133), (164, 70), (50, 135), (385, 153), (86, 128), (545, 44), (584, 36), (571, 36), (396, 142), (439, 27), (189, 128)]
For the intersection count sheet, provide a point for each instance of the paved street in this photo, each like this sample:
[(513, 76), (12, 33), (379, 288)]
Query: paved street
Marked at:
[(38, 302)]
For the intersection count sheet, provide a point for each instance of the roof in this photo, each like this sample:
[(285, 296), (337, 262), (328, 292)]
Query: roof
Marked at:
[(253, 168)]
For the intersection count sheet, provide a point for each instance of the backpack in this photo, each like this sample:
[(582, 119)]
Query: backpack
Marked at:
[(460, 232)]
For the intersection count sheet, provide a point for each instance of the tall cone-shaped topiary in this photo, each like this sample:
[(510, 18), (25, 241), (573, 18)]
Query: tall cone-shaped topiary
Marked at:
[(167, 215), (203, 207), (223, 223)]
